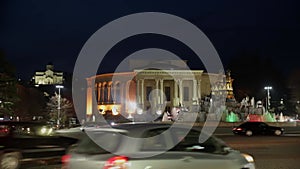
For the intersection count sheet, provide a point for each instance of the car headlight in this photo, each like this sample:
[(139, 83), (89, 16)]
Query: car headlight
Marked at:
[(249, 158), (46, 131), (43, 130)]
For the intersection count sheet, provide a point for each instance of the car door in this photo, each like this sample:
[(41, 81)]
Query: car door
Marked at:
[(189, 153), (195, 155), (154, 148), (263, 128)]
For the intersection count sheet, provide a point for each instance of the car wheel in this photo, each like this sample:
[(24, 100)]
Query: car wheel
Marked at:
[(249, 133), (10, 160), (278, 132)]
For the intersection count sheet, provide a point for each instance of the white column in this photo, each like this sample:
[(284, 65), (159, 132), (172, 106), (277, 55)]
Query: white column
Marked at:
[(199, 89), (180, 92), (98, 92), (175, 89), (175, 100), (161, 91), (195, 91), (138, 97), (108, 92), (127, 98), (115, 93), (102, 91), (122, 97), (157, 93), (142, 91), (89, 99)]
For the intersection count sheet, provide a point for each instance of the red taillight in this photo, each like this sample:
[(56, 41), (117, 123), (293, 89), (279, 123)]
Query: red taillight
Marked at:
[(117, 162), (65, 158), (4, 131)]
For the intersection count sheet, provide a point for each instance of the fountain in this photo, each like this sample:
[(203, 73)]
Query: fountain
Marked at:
[(232, 117), (268, 117), (281, 118), (254, 118)]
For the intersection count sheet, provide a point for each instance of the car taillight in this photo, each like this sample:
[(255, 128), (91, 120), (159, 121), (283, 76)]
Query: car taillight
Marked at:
[(117, 162), (4, 131), (65, 158)]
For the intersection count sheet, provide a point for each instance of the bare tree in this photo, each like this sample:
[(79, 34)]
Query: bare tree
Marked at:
[(66, 108)]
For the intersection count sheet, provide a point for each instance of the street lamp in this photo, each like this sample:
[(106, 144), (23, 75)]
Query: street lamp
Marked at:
[(268, 88), (58, 104)]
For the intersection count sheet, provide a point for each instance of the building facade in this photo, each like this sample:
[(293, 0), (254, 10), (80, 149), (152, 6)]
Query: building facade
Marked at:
[(48, 76), (144, 89)]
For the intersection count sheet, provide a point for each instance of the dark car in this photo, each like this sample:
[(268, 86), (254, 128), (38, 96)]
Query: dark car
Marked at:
[(257, 128), (22, 142)]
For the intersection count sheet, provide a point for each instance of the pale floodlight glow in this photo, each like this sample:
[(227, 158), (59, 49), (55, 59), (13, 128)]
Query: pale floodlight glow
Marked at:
[(159, 112), (139, 111), (102, 109), (268, 88), (59, 86), (132, 107)]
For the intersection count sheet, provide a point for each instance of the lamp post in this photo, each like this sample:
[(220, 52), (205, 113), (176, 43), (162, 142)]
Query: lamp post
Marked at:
[(58, 103), (268, 88)]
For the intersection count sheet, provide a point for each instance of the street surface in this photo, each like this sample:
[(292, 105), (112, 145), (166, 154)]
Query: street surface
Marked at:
[(270, 152)]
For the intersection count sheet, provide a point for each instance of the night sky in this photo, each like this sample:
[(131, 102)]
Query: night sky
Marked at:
[(34, 33)]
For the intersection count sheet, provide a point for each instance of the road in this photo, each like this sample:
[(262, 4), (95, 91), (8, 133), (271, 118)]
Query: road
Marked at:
[(270, 152)]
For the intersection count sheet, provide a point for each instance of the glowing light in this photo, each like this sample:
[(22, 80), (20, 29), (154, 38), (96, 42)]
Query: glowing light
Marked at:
[(255, 117), (139, 111), (249, 158), (232, 117), (159, 112), (267, 117), (132, 107), (102, 109), (43, 130), (115, 111)]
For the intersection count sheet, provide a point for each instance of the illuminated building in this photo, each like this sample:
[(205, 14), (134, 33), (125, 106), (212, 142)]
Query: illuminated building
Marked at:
[(48, 77), (134, 92)]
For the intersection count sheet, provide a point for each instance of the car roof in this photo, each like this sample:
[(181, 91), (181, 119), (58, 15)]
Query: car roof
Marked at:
[(137, 127)]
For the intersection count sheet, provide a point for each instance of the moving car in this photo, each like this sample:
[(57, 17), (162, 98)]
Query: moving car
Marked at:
[(24, 142), (162, 146), (257, 128)]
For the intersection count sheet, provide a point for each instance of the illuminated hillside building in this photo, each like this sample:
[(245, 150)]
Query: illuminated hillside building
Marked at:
[(48, 77)]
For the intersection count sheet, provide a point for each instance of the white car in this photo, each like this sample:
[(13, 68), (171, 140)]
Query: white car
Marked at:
[(152, 146)]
